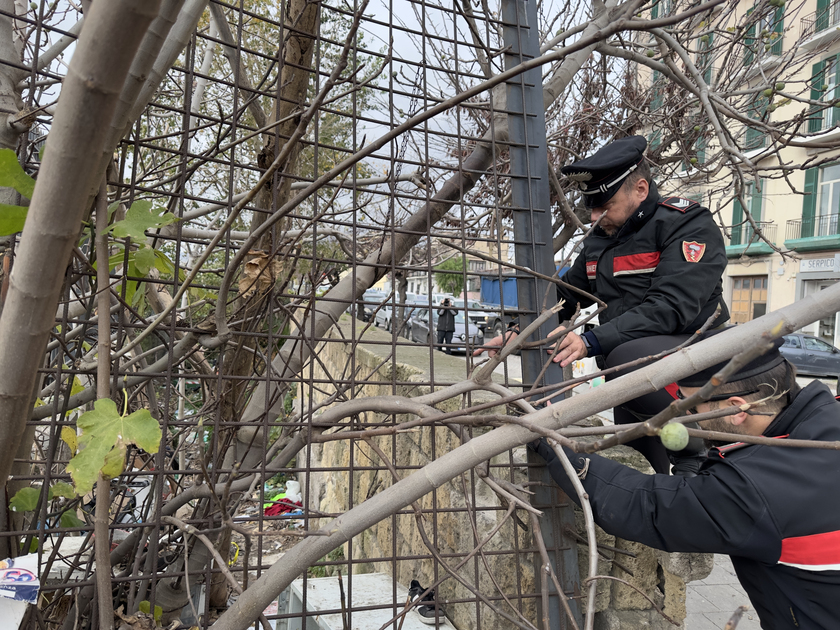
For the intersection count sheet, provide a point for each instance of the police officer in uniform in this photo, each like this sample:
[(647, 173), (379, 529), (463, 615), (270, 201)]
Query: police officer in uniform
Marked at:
[(768, 507), (656, 263)]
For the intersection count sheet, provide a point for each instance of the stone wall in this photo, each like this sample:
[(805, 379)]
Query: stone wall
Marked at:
[(661, 576)]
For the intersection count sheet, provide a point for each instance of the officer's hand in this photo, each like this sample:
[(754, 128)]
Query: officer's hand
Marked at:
[(570, 349), (494, 345)]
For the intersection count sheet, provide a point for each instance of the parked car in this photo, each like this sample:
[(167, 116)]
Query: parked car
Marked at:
[(412, 306), (371, 299), (465, 337), (810, 355), (478, 311)]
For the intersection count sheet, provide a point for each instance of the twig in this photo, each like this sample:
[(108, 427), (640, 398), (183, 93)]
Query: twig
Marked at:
[(102, 548), (537, 535), (589, 520), (220, 562), (595, 578), (343, 602)]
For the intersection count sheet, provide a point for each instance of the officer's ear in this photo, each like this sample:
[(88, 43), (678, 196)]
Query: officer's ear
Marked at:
[(740, 416), (642, 186)]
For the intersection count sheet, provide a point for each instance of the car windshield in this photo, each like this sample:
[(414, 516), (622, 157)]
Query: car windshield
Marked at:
[(459, 318)]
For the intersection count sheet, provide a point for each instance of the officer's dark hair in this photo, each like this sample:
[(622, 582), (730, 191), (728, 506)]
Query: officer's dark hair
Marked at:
[(778, 384), (642, 172)]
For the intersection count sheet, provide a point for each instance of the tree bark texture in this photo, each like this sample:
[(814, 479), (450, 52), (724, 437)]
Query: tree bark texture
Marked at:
[(69, 172)]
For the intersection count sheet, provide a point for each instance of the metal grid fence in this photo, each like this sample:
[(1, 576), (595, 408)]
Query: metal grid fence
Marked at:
[(239, 319)]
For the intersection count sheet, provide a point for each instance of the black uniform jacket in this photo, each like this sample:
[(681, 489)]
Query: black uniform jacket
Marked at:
[(659, 275), (774, 510)]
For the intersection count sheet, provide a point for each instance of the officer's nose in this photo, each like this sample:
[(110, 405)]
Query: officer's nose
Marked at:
[(595, 214)]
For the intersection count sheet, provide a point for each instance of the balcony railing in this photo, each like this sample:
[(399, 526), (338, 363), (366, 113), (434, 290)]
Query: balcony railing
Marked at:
[(826, 225), (820, 20), (745, 234)]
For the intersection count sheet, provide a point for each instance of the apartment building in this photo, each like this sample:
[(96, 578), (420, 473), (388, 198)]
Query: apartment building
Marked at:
[(798, 47)]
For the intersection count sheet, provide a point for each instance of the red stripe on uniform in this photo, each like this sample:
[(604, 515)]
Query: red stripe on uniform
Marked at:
[(636, 262), (590, 269), (672, 389), (816, 549)]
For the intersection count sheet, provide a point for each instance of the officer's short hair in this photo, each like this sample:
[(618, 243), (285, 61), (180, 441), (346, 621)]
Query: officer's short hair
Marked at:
[(778, 385), (642, 172)]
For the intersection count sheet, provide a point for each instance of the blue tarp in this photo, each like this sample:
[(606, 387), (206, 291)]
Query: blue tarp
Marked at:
[(492, 294)]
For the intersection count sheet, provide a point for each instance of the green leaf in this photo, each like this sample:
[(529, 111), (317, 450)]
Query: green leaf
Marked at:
[(77, 386), (69, 519), (141, 216), (144, 260), (11, 219), (13, 176), (145, 606), (62, 489), (163, 264), (114, 462), (104, 430), (25, 500)]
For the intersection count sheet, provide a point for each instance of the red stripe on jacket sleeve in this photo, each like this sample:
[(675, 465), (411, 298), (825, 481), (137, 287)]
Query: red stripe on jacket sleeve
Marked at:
[(816, 549), (636, 262)]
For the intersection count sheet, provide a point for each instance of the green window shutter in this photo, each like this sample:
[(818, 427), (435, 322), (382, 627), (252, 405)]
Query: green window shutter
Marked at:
[(749, 43), (815, 120), (701, 150), (809, 202), (737, 217), (835, 113), (755, 138), (756, 201), (822, 15), (778, 31), (657, 98), (706, 60), (654, 11)]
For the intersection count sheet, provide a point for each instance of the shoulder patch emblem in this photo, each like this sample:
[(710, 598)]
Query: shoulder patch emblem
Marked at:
[(678, 203), (693, 251)]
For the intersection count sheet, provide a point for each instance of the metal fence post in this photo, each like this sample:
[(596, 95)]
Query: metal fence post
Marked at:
[(534, 249)]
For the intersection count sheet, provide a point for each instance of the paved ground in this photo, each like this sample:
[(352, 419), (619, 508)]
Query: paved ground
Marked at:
[(711, 602)]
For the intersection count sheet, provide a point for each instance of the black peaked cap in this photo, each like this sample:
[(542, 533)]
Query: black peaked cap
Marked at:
[(759, 365), (600, 176)]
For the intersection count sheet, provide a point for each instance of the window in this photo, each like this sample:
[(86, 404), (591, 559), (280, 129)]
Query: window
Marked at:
[(815, 344), (791, 342), (477, 265), (757, 110), (768, 43), (824, 87), (705, 61), (828, 14), (749, 298), (743, 233), (821, 202)]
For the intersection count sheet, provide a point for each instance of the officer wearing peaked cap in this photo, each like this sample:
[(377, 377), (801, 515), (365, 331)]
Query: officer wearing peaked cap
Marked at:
[(768, 507), (656, 263)]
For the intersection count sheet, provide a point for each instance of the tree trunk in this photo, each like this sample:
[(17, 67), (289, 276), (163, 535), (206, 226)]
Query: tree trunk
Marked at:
[(89, 96)]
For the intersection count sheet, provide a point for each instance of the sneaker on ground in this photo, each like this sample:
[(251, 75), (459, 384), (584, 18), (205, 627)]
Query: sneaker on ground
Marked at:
[(427, 608)]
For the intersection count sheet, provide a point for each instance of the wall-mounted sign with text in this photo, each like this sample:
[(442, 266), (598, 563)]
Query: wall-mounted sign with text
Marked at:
[(829, 265)]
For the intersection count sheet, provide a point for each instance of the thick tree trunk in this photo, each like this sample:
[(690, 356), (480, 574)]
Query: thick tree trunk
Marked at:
[(89, 96)]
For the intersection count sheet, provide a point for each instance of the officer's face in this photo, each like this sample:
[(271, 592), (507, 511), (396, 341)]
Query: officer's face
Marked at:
[(620, 207)]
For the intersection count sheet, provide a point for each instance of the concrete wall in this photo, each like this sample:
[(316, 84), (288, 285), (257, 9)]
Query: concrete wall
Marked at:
[(332, 490)]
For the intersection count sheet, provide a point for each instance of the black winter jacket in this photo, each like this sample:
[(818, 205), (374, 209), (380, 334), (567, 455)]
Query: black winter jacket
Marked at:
[(659, 275), (446, 320), (774, 510)]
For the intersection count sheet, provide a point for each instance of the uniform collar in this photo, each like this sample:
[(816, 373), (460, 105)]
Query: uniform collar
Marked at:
[(792, 415)]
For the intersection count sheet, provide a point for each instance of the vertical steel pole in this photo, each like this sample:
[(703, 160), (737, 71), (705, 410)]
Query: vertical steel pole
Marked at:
[(534, 249)]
